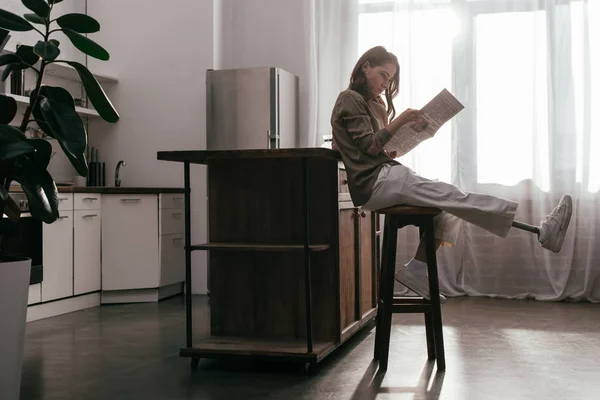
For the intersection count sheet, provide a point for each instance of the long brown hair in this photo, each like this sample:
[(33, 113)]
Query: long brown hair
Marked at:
[(376, 56)]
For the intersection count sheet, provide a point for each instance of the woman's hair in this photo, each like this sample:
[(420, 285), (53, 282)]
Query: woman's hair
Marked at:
[(376, 56)]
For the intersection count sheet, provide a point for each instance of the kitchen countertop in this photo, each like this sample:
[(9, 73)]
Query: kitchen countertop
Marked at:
[(112, 189)]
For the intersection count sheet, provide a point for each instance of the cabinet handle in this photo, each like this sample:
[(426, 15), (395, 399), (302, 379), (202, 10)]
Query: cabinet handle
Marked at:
[(90, 198), (177, 239), (63, 198), (90, 215), (344, 181), (176, 214), (63, 217), (363, 214), (130, 200)]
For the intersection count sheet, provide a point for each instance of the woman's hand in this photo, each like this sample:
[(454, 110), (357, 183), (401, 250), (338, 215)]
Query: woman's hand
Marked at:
[(407, 117), (391, 154), (410, 115)]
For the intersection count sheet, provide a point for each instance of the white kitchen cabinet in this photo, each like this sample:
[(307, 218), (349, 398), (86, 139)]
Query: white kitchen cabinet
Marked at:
[(58, 253), (87, 243), (142, 247)]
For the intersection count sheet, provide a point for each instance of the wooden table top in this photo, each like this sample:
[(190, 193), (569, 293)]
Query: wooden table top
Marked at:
[(205, 156)]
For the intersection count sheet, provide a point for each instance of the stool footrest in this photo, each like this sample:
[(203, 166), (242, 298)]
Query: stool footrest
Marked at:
[(410, 308)]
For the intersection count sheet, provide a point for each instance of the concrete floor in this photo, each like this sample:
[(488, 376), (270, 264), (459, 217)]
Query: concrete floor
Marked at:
[(495, 349)]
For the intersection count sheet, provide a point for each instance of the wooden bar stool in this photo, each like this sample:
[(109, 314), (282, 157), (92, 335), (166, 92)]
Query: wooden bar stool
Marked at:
[(397, 217)]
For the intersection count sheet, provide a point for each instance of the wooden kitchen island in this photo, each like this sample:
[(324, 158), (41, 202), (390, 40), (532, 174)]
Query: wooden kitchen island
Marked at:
[(293, 263)]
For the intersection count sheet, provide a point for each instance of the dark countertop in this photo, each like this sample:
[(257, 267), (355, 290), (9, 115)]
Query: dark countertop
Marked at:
[(205, 156), (113, 190)]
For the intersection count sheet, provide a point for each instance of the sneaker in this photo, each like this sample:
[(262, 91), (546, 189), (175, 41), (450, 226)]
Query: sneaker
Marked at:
[(554, 226), (414, 276)]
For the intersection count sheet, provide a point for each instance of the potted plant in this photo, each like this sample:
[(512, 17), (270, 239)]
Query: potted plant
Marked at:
[(25, 160)]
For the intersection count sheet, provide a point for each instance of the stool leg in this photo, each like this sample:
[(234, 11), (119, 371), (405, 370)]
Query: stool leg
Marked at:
[(434, 291), (430, 335), (388, 292), (382, 274)]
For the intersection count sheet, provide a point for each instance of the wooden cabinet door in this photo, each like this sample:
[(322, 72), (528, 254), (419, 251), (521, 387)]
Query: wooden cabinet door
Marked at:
[(347, 238), (368, 279)]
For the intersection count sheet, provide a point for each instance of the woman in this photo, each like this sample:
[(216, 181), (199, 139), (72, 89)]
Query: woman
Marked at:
[(363, 123)]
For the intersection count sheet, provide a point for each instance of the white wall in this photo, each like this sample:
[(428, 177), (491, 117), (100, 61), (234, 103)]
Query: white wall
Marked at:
[(260, 33), (159, 52)]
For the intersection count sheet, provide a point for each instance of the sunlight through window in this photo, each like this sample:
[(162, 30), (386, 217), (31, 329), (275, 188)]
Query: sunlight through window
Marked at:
[(512, 99)]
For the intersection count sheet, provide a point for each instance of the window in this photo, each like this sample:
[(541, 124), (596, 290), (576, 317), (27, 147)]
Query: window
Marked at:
[(528, 74)]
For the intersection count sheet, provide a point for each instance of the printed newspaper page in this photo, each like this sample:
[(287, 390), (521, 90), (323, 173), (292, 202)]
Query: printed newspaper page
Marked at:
[(437, 112)]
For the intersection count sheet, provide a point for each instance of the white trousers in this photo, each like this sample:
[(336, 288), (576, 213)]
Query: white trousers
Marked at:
[(398, 184)]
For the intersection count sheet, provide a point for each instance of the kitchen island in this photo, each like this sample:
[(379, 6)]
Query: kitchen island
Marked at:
[(293, 263)]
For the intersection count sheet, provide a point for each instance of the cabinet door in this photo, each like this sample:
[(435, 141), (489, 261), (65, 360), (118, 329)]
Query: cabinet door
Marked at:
[(58, 258), (129, 242), (87, 251), (368, 277), (172, 259), (347, 239)]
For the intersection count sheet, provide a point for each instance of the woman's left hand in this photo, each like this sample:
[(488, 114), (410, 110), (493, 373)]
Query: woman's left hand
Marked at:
[(391, 154)]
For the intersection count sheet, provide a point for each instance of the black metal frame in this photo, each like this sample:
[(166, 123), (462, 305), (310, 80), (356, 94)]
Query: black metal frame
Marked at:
[(307, 274), (389, 305)]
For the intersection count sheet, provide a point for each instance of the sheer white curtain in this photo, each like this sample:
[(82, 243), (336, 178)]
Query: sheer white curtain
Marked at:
[(528, 73)]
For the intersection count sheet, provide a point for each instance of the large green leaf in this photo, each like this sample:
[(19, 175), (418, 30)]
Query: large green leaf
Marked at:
[(56, 94), (13, 143), (6, 59), (27, 55), (96, 94), (40, 189), (8, 109), (40, 7), (36, 19), (55, 42), (47, 50), (43, 151), (10, 151), (9, 133), (87, 46), (13, 22), (81, 23), (9, 68), (68, 129)]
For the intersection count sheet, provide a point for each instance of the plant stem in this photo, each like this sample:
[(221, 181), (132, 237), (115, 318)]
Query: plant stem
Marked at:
[(38, 84)]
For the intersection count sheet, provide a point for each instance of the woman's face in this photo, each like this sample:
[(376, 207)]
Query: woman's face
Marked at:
[(379, 78)]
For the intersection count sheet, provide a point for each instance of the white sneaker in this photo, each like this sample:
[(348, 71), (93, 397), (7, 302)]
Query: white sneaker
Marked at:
[(554, 226), (413, 275)]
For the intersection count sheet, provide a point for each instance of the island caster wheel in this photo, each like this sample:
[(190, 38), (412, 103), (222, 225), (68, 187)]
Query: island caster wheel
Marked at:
[(194, 363)]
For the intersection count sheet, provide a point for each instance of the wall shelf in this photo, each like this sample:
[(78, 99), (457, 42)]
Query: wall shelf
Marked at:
[(65, 71), (85, 112)]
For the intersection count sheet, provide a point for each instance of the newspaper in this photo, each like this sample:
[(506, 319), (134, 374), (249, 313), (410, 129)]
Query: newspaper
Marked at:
[(437, 112)]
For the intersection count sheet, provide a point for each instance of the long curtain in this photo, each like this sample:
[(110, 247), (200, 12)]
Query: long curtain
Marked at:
[(528, 73)]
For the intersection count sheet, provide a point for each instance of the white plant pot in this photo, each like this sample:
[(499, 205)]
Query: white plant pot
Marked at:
[(14, 292)]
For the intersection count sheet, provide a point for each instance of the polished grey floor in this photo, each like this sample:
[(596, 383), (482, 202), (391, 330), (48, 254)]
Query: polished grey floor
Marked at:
[(496, 349)]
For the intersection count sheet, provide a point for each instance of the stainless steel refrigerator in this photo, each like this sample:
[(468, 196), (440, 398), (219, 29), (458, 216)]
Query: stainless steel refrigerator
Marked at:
[(251, 108)]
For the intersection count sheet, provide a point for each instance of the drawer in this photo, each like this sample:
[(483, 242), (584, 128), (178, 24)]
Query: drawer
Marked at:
[(342, 181), (171, 221), (171, 200), (65, 201), (87, 201)]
